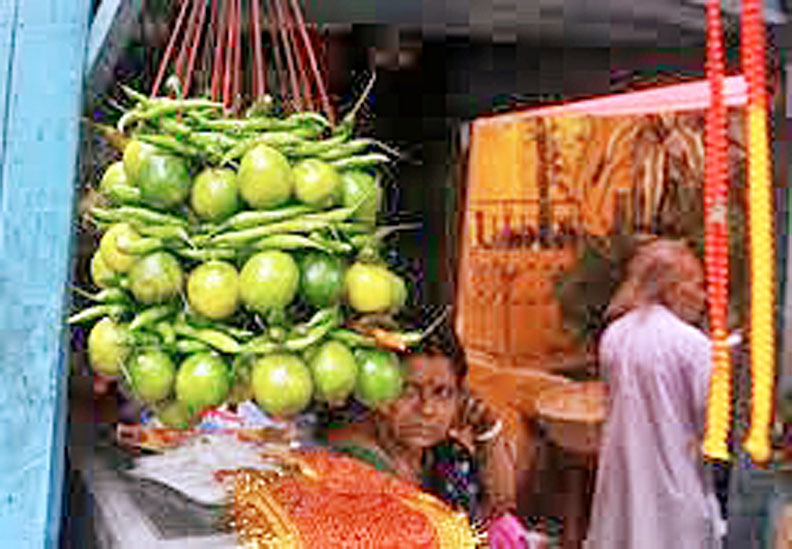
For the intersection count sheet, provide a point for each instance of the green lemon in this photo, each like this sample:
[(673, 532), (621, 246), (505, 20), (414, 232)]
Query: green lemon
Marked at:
[(213, 289), (334, 372), (316, 182), (112, 256), (214, 195), (164, 180), (369, 288), (101, 274), (174, 414), (268, 281), (361, 190), (203, 381), (108, 347), (156, 278), (281, 384), (114, 175), (151, 375), (134, 154), (321, 279), (380, 378), (265, 178)]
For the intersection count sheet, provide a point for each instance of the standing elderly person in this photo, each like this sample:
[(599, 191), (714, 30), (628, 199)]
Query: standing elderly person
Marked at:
[(653, 490)]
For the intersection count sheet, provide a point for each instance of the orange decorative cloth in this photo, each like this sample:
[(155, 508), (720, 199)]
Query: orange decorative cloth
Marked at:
[(331, 500)]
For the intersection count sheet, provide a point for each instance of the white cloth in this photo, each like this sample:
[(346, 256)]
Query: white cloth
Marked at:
[(652, 490)]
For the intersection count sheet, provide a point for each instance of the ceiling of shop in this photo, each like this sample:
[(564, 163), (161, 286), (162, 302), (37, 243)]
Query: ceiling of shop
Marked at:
[(569, 22)]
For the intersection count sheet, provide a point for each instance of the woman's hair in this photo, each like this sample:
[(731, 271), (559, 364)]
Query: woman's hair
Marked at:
[(443, 341), (654, 275)]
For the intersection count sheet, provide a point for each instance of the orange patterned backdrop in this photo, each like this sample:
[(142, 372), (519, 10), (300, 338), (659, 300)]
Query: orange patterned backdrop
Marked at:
[(506, 299)]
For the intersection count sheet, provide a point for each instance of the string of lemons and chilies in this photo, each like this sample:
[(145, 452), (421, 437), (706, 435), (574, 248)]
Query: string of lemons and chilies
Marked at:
[(762, 261), (717, 243)]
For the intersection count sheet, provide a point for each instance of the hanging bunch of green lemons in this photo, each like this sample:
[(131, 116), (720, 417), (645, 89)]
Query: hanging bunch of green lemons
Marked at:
[(233, 253)]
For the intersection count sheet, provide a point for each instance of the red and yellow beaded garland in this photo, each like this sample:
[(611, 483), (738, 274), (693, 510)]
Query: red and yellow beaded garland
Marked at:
[(762, 254), (717, 242)]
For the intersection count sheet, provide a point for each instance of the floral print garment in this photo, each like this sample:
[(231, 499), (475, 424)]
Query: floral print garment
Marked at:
[(450, 473)]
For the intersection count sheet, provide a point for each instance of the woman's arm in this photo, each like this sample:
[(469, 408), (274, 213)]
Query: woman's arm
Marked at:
[(497, 462), (496, 456)]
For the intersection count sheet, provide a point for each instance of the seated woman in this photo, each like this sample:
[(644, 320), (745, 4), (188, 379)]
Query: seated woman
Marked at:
[(438, 436)]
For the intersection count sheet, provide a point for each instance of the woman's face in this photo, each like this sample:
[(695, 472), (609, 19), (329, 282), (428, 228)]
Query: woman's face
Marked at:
[(423, 415)]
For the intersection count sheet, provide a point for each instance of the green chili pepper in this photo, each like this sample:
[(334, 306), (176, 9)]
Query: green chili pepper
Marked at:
[(176, 128), (352, 228), (220, 341), (288, 242), (316, 148), (149, 316), (247, 220), (163, 232), (207, 254), (361, 161), (331, 245), (260, 347), (258, 124), (142, 339), (200, 322), (123, 194), (373, 239), (136, 95), (297, 225), (347, 149), (323, 315), (307, 132), (352, 338), (304, 224), (158, 107), (131, 213), (308, 116), (315, 335), (171, 144), (336, 214), (140, 246), (92, 313), (166, 332), (190, 346), (108, 295), (277, 140)]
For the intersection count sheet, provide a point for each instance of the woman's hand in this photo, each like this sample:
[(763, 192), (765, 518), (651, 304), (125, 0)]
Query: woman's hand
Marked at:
[(128, 436), (476, 414), (507, 532)]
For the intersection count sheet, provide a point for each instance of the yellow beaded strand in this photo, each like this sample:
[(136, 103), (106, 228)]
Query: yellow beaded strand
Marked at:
[(762, 336), (760, 208)]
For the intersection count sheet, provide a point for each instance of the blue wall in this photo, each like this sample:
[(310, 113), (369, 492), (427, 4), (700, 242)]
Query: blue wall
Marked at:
[(42, 50)]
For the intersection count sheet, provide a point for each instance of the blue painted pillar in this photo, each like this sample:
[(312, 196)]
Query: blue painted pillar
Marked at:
[(42, 51)]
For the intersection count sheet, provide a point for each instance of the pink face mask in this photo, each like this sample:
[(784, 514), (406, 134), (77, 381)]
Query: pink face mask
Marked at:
[(507, 532)]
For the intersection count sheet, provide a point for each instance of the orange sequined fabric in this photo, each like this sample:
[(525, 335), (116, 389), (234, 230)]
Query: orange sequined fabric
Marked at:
[(337, 501)]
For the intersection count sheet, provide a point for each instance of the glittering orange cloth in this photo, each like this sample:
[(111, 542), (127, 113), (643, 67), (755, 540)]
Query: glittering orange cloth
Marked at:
[(330, 500)]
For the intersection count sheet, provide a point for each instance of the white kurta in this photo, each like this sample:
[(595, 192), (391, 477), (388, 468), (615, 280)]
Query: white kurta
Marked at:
[(652, 490)]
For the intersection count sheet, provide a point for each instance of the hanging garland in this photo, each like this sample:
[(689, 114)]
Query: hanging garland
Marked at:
[(717, 243), (762, 260)]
